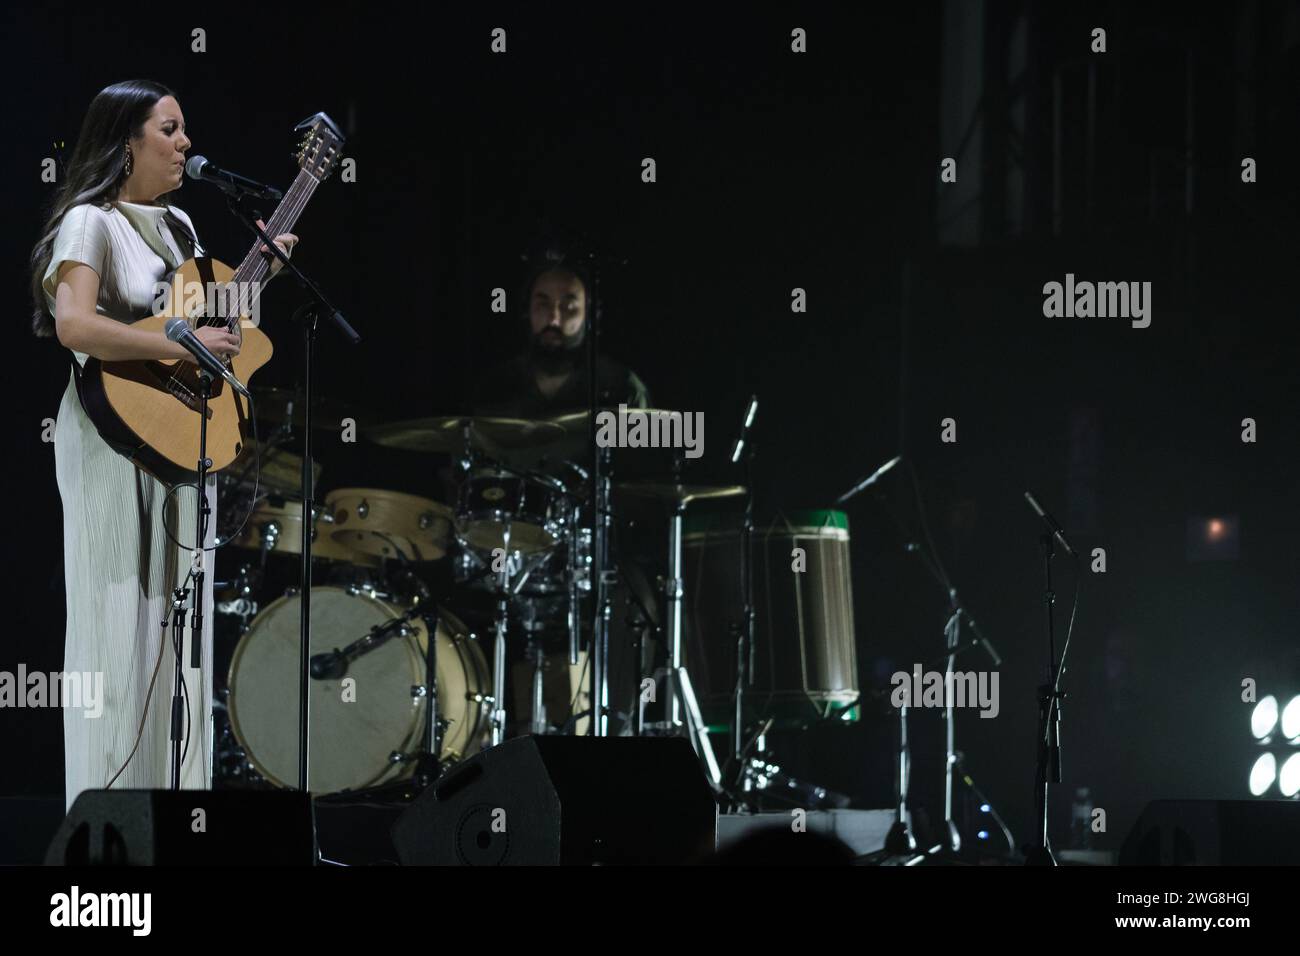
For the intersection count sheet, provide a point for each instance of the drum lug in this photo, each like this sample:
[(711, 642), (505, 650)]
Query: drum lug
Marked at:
[(419, 690)]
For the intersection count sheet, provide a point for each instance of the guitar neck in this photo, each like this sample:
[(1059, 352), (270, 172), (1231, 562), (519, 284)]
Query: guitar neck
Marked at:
[(252, 272)]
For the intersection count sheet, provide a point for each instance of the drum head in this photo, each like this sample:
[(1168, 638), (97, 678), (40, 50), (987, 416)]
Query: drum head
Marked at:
[(356, 721)]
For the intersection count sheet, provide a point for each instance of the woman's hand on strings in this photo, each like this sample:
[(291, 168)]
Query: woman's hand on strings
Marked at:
[(220, 341)]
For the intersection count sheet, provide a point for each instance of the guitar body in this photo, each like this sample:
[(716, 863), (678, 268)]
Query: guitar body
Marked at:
[(148, 410)]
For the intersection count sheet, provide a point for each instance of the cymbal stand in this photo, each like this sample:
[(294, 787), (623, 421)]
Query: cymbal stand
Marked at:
[(681, 701)]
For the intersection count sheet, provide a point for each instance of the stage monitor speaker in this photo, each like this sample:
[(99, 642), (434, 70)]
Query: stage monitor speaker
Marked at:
[(565, 800), (185, 827), (1214, 833)]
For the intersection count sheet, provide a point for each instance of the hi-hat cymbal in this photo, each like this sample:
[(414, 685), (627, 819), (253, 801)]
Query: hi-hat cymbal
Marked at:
[(281, 405), (667, 491), (447, 433)]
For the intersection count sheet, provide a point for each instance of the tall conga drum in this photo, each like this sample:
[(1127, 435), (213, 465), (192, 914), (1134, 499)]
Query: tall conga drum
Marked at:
[(805, 662)]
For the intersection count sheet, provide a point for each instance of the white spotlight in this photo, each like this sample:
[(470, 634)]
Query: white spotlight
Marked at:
[(1288, 781), (1291, 719), (1264, 717), (1263, 774)]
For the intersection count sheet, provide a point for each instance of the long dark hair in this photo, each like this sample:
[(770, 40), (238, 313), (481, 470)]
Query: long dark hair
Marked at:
[(96, 171)]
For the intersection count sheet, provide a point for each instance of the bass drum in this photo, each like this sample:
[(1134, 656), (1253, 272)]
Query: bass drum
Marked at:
[(364, 733)]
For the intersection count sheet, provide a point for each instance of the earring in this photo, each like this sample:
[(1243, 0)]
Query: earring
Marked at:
[(127, 167)]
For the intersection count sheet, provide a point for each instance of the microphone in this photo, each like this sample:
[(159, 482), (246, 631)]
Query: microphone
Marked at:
[(330, 666), (750, 412), (869, 480), (1057, 531), (983, 641), (198, 167), (179, 331)]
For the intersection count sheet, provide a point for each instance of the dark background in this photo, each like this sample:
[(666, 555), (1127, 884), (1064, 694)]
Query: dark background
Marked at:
[(775, 171)]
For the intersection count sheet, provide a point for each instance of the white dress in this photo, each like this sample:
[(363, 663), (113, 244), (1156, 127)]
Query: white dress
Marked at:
[(119, 563)]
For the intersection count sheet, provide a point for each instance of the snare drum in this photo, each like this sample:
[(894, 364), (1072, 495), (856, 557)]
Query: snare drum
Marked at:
[(364, 733), (502, 511)]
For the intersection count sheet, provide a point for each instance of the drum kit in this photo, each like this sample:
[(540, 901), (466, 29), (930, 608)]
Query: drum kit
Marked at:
[(439, 628)]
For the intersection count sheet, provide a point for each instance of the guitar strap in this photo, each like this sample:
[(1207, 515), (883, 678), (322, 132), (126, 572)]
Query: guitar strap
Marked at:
[(179, 228)]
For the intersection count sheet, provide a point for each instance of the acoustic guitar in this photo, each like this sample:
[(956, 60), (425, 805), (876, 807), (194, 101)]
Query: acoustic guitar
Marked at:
[(147, 410)]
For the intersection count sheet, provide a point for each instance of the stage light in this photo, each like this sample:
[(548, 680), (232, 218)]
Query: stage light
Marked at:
[(1291, 719), (983, 834), (1216, 529), (1264, 717), (1263, 774), (984, 807), (1288, 781)]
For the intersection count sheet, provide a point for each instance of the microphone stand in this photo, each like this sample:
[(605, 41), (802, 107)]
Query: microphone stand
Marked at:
[(1049, 694), (201, 513), (309, 315), (899, 841), (1049, 723)]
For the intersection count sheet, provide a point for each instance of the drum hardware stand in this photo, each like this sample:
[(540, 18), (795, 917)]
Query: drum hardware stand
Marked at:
[(537, 658), (243, 606), (576, 577), (745, 642), (638, 623), (427, 766), (498, 718), (899, 841), (681, 695)]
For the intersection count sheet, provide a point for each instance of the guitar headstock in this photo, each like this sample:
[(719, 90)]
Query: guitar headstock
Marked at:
[(321, 147)]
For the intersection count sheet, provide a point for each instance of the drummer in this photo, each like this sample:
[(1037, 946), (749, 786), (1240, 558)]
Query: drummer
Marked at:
[(551, 376)]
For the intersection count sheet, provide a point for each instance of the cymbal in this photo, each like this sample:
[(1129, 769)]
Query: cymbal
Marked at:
[(281, 405), (446, 433), (579, 421), (667, 491)]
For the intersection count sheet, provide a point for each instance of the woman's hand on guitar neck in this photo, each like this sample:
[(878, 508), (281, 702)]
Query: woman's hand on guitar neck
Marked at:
[(285, 242)]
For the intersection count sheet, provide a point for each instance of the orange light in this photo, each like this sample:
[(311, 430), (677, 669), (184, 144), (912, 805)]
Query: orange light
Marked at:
[(1216, 529)]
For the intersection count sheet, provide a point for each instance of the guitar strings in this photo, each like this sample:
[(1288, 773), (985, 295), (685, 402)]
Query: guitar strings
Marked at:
[(286, 213)]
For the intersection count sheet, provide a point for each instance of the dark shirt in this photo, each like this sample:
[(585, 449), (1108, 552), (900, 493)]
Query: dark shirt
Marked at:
[(510, 390)]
